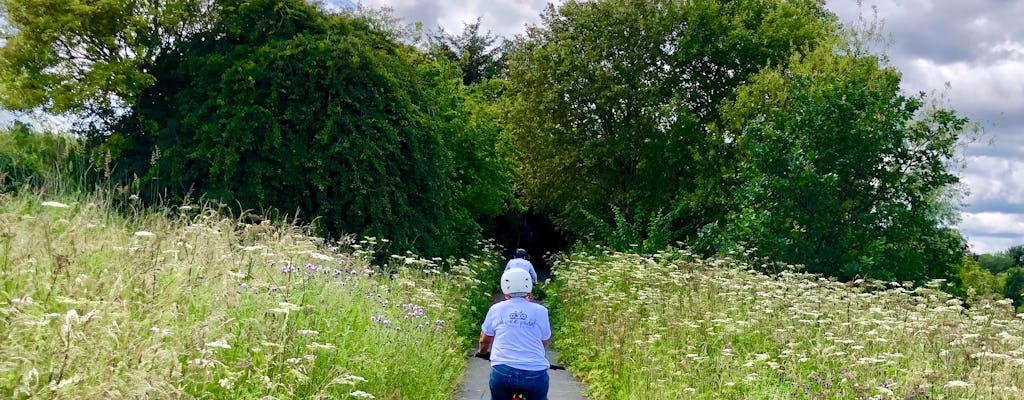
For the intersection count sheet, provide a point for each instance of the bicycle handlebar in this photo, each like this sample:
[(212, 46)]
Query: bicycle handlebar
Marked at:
[(487, 356)]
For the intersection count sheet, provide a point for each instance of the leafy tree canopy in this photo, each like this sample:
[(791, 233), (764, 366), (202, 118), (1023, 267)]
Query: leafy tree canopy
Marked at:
[(841, 172), (611, 103), (284, 106), (480, 56), (88, 58)]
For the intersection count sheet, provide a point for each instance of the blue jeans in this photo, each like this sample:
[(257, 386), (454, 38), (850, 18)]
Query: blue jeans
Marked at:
[(506, 381)]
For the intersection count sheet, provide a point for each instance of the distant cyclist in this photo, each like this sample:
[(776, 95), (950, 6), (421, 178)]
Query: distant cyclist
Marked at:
[(516, 333), (521, 260)]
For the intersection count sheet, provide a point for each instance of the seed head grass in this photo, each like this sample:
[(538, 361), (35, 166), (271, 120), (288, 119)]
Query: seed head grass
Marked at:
[(674, 325), (187, 303)]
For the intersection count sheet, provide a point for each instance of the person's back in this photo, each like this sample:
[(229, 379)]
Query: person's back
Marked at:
[(515, 334), (520, 328), (521, 261)]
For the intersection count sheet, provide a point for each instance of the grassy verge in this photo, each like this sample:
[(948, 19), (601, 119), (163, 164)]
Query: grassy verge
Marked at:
[(674, 326), (190, 304)]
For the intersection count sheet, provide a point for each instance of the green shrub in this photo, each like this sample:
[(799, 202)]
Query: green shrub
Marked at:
[(41, 160), (283, 106)]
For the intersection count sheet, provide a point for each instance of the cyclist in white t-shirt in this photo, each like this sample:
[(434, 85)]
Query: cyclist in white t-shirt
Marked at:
[(516, 332), (521, 260)]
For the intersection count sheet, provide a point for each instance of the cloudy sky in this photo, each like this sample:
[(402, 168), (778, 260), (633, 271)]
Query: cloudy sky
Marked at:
[(976, 47)]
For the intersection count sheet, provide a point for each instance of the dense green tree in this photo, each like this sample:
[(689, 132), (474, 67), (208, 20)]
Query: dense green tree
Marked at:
[(480, 56), (468, 119), (610, 103), (842, 172), (88, 58), (281, 105), (1013, 286), (1016, 254), (995, 263)]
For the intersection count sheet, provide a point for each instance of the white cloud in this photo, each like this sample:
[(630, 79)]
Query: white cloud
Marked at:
[(990, 88), (994, 180), (505, 18), (994, 223), (989, 232)]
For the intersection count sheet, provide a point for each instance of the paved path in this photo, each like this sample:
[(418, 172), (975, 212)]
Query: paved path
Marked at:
[(474, 385)]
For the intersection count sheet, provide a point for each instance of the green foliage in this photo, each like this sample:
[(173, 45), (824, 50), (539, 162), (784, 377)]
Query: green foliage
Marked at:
[(841, 172), (975, 281), (610, 102), (1016, 254), (645, 235), (1002, 260), (995, 263), (1013, 285), (87, 56), (41, 161), (282, 106), (480, 56), (468, 122)]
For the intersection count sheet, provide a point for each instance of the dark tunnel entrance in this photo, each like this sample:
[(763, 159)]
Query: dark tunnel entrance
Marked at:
[(530, 231)]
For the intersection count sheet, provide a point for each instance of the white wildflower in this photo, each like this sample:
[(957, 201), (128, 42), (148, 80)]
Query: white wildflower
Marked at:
[(308, 332), (319, 256), (320, 346), (956, 384), (161, 332), (144, 234), (54, 204), (221, 343), (360, 393)]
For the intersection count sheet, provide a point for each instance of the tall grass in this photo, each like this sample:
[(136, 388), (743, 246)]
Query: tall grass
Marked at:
[(43, 161), (673, 325), (186, 303)]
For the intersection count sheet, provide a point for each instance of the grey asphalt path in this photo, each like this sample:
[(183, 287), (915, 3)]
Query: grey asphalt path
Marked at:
[(474, 384)]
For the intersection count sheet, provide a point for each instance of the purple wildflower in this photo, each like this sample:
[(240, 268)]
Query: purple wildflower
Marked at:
[(414, 311)]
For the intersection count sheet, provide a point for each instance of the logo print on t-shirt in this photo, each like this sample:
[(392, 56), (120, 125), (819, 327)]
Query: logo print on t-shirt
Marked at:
[(518, 315)]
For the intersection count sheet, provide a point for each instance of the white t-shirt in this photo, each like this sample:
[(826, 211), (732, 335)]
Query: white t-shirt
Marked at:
[(522, 263), (518, 326)]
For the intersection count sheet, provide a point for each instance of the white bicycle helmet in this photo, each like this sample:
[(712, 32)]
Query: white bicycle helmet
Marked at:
[(516, 282)]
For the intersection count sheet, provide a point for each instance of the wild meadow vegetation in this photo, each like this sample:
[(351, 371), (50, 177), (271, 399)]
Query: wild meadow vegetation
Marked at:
[(172, 244), (675, 325), (187, 303)]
